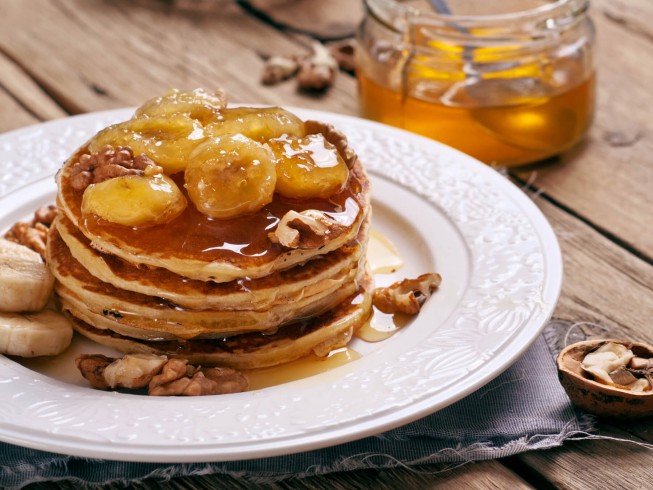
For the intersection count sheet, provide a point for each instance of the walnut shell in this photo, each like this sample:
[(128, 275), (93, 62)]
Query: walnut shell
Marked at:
[(600, 398)]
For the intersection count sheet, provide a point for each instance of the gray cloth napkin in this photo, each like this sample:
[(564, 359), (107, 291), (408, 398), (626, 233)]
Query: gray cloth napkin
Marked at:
[(525, 408)]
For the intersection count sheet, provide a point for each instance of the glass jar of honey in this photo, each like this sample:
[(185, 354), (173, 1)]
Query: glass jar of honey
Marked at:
[(509, 82)]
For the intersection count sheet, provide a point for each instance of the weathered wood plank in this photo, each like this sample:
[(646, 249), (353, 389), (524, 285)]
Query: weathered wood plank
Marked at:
[(93, 55), (609, 286), (593, 464), (608, 181), (633, 15), (29, 103), (603, 283), (13, 115)]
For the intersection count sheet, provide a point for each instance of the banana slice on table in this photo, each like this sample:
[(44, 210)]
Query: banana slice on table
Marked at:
[(25, 281), (46, 333)]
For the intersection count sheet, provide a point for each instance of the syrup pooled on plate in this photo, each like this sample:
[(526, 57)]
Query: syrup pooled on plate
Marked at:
[(381, 326), (305, 367), (382, 255), (384, 258)]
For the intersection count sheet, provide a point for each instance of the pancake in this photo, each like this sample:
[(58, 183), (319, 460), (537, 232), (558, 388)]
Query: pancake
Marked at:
[(79, 290), (196, 246), (319, 275), (224, 271), (318, 335)]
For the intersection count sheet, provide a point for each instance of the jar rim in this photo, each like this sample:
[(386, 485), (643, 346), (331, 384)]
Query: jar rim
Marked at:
[(401, 16)]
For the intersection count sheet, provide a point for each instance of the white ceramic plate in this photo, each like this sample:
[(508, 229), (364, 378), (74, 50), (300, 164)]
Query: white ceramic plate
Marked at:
[(443, 210)]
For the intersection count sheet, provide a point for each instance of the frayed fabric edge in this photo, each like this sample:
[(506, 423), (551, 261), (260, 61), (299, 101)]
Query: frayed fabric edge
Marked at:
[(576, 429)]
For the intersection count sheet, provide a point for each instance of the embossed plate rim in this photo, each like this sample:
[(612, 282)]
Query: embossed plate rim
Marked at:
[(498, 223)]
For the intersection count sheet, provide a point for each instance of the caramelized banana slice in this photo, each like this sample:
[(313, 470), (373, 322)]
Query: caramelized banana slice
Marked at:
[(230, 175), (166, 140), (197, 104), (308, 167), (260, 124), (135, 200)]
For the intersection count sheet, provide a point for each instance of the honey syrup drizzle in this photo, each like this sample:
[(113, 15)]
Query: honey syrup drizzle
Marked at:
[(311, 150), (534, 129), (301, 368), (193, 234), (381, 326), (383, 257)]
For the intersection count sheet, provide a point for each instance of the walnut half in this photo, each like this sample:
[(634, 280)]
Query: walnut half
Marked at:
[(309, 229), (162, 376), (406, 296)]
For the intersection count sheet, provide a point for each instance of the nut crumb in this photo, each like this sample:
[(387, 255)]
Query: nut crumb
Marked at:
[(315, 72)]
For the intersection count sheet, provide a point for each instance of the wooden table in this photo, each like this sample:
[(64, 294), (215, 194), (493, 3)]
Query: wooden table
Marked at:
[(62, 57)]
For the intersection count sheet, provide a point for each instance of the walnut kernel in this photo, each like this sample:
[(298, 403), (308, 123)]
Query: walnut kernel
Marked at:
[(318, 71), (110, 162), (309, 229), (34, 235), (278, 68), (406, 296), (161, 376)]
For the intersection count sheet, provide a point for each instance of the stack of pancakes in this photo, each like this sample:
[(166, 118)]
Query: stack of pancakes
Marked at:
[(213, 291)]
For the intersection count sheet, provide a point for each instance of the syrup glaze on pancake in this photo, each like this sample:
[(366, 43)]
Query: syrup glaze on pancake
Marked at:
[(250, 294), (200, 247), (79, 290), (320, 334)]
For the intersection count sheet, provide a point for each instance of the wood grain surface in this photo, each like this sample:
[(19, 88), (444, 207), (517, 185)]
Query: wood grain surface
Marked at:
[(63, 57), (607, 181)]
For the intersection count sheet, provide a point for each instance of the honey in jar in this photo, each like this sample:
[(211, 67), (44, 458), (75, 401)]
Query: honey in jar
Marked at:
[(509, 82)]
